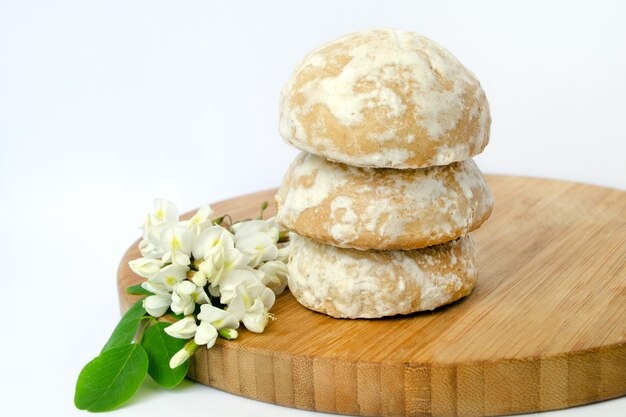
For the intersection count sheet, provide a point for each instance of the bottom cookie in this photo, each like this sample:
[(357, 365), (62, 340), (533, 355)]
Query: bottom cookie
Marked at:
[(350, 283)]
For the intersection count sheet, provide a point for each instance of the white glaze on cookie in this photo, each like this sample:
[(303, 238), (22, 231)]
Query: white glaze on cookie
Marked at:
[(351, 283)]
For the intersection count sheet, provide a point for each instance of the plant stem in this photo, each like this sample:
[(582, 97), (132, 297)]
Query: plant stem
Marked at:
[(263, 207), (145, 323)]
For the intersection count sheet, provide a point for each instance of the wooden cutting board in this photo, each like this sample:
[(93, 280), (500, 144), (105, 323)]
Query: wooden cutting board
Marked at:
[(545, 327)]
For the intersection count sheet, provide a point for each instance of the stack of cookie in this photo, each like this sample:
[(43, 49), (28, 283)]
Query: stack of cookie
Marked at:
[(382, 198)]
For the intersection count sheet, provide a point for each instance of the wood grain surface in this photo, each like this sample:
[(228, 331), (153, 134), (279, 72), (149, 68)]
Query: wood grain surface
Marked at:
[(545, 327)]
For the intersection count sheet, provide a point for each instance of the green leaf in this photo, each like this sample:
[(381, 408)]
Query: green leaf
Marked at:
[(111, 379), (127, 328), (138, 290), (160, 347)]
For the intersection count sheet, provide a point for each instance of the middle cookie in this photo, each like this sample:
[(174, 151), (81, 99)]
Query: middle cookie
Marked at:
[(383, 209)]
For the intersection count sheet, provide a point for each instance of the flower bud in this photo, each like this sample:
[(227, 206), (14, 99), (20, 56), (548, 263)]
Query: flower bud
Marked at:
[(182, 329), (156, 305), (197, 277), (229, 334), (182, 355), (145, 267), (179, 358)]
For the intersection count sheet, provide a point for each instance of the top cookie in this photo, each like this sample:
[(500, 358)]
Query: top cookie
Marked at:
[(385, 98)]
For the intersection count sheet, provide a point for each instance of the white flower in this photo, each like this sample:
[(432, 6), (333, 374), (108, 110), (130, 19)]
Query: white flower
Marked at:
[(212, 243), (206, 334), (250, 227), (233, 279), (283, 254), (214, 272), (200, 296), (164, 212), (145, 267), (245, 269), (251, 305), (214, 291), (150, 250), (177, 242), (165, 215), (256, 317), (198, 278), (275, 276), (156, 305), (185, 296), (259, 275), (258, 247), (179, 358), (247, 298), (200, 221), (216, 247), (169, 276), (220, 319), (156, 288), (182, 329)]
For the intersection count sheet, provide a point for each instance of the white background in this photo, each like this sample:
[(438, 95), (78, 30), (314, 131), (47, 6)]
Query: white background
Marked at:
[(105, 105)]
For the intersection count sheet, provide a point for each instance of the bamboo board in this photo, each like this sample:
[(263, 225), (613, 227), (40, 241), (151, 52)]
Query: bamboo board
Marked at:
[(545, 327)]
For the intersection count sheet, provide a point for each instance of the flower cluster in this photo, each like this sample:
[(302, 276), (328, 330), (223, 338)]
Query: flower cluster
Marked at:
[(214, 274)]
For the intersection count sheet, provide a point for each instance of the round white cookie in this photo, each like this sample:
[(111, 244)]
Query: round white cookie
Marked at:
[(384, 209), (385, 98), (348, 283)]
